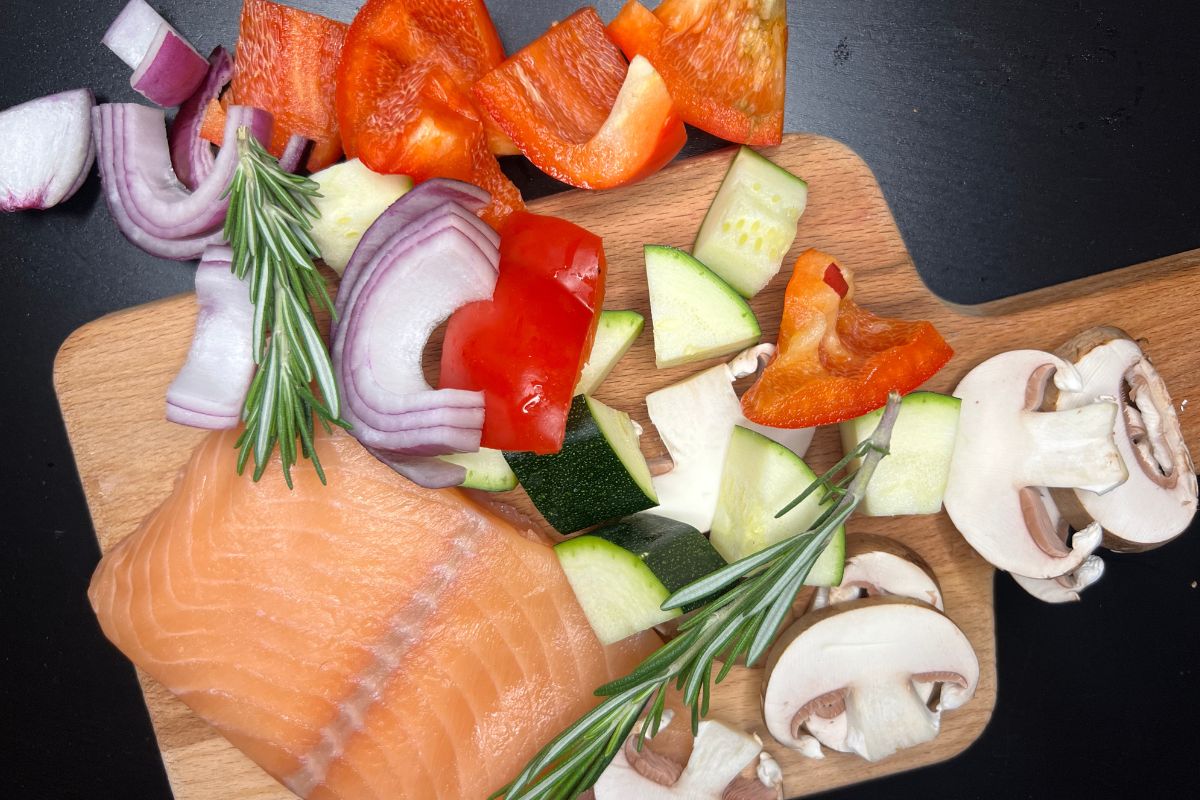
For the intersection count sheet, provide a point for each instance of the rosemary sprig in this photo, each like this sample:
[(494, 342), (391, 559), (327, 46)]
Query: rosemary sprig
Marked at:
[(267, 225), (747, 603)]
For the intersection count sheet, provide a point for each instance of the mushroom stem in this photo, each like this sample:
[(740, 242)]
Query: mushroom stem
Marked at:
[(884, 717), (1063, 448)]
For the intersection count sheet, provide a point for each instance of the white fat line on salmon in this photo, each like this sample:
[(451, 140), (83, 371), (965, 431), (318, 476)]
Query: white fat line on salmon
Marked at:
[(404, 630)]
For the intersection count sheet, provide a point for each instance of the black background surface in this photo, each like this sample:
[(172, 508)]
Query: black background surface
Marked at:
[(1020, 143)]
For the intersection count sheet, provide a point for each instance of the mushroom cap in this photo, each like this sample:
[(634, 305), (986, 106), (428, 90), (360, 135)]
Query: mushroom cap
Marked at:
[(878, 565), (1006, 450), (1158, 501), (870, 646)]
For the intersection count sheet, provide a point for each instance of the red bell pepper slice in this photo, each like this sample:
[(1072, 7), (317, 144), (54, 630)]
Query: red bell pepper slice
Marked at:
[(724, 61), (403, 94), (524, 348), (286, 61), (576, 110), (835, 360)]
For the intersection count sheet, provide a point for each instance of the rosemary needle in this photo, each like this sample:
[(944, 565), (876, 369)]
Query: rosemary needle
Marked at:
[(747, 602), (267, 225)]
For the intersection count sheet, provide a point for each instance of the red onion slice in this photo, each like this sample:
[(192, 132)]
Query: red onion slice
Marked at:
[(192, 157), (293, 153), (46, 150), (432, 473), (166, 68), (418, 201), (211, 387), (417, 279), (148, 204)]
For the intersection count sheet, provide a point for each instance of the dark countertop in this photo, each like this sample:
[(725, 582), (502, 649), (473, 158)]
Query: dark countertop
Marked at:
[(1020, 143)]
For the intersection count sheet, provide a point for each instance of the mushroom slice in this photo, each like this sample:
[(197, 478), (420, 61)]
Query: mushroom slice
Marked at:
[(854, 676), (1006, 449), (725, 764), (877, 565), (1064, 588), (1158, 501)]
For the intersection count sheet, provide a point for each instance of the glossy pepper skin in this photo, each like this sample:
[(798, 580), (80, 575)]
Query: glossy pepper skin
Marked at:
[(571, 104), (524, 348), (835, 360)]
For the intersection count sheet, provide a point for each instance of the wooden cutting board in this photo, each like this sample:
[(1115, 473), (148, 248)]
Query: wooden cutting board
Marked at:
[(111, 376)]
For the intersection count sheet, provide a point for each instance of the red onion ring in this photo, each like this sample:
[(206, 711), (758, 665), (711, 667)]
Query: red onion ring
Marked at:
[(415, 279), (46, 150), (420, 200), (166, 68), (192, 157), (293, 153), (211, 387), (148, 204)]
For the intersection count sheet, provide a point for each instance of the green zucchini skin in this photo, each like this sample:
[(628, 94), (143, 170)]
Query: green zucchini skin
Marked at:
[(675, 552), (585, 482)]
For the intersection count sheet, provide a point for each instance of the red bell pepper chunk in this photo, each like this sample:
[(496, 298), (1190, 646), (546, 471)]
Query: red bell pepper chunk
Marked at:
[(524, 348), (835, 360)]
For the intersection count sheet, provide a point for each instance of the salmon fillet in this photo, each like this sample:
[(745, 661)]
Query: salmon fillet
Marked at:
[(365, 639)]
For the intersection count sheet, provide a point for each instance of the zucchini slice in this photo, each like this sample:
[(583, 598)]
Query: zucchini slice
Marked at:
[(912, 479), (622, 573), (695, 314), (751, 222), (615, 334), (599, 474), (486, 470), (760, 478)]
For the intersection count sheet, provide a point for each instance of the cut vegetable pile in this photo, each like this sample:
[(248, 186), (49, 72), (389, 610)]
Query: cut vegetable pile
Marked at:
[(1038, 458)]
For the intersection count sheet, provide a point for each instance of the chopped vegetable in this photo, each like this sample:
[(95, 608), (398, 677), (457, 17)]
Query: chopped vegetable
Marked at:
[(286, 63), (751, 222), (599, 474), (723, 61), (403, 94), (210, 389), (419, 276), (615, 334), (576, 111), (166, 68), (695, 419), (913, 477), (836, 360), (46, 150), (191, 154), (352, 197), (759, 478), (695, 314), (525, 347), (485, 470), (622, 573), (145, 200)]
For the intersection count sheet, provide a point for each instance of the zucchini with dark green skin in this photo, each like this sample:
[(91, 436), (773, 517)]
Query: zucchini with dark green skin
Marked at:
[(599, 474), (622, 573)]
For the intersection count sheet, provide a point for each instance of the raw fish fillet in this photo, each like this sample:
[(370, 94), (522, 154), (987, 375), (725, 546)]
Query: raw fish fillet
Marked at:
[(365, 639)]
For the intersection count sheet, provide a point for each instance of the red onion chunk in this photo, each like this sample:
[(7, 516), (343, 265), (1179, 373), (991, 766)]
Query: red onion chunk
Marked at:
[(166, 68), (146, 200), (192, 157), (415, 280), (415, 203), (132, 32), (210, 389), (171, 71), (46, 150)]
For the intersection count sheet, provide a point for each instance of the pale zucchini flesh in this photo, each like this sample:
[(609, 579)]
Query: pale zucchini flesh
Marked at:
[(694, 314), (615, 334), (486, 470)]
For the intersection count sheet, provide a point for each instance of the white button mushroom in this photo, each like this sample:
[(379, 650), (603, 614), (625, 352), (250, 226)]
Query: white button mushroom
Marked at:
[(1006, 449), (1158, 501), (851, 675), (878, 565)]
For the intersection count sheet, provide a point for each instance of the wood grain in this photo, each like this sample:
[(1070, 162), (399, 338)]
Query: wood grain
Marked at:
[(111, 376)]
